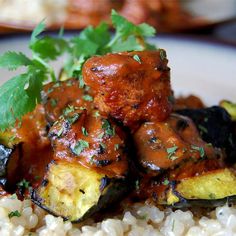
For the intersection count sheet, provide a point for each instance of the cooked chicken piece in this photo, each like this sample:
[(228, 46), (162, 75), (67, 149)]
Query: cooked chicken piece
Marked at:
[(131, 86), (57, 96), (91, 140), (163, 145)]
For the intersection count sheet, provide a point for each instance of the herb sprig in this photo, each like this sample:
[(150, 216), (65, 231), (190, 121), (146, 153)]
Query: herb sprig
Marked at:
[(20, 94)]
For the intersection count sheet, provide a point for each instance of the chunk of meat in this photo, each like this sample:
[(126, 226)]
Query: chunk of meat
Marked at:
[(131, 86), (164, 145), (57, 96), (91, 140)]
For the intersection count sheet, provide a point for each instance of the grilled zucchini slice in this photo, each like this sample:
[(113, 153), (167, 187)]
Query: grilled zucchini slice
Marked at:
[(209, 189), (75, 192)]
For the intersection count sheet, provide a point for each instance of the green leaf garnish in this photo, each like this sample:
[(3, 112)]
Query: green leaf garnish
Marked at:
[(13, 60), (80, 146), (14, 213), (20, 95)]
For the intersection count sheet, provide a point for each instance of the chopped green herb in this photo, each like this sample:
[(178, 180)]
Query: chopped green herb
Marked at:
[(100, 136), (199, 149), (202, 129), (80, 146), (60, 131), (88, 98), (84, 131), (171, 151), (166, 182), (53, 102), (91, 159), (14, 213), (81, 82), (68, 110), (116, 146), (109, 130), (103, 146), (73, 118), (137, 58), (24, 184), (96, 114)]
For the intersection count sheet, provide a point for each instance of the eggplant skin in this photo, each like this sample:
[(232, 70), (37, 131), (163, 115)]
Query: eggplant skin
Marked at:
[(9, 164), (215, 126), (210, 189), (75, 192), (5, 154)]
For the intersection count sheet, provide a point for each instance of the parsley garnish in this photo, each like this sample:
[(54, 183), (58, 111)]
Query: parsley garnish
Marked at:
[(24, 184), (80, 146), (14, 213), (88, 98), (84, 131), (73, 118), (171, 151), (20, 95), (116, 146), (199, 149), (137, 58), (165, 182), (53, 102), (109, 130)]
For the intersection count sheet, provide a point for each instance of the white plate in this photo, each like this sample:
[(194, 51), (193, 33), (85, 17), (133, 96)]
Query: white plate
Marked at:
[(199, 67)]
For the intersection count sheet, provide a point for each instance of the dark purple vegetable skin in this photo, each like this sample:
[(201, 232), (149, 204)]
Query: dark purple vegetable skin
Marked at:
[(216, 127)]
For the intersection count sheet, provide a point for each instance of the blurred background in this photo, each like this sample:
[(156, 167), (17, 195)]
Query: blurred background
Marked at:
[(215, 19)]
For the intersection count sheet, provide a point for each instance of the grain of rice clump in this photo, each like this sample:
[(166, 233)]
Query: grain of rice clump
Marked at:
[(140, 220)]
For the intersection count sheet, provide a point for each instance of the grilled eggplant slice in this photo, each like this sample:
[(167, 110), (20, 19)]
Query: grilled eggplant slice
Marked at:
[(75, 192), (209, 189), (91, 139), (230, 107), (216, 127), (9, 163), (25, 150)]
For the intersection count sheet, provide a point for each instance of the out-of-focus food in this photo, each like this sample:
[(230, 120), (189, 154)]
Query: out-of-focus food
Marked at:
[(165, 15)]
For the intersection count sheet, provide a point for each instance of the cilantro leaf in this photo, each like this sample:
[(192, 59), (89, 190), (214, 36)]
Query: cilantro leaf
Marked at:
[(80, 146), (126, 28), (18, 97), (83, 47), (14, 213), (49, 48), (130, 44), (99, 35), (13, 60), (36, 32)]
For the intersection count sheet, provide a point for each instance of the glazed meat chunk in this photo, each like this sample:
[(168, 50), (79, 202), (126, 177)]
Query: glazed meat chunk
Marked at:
[(57, 96), (131, 86), (164, 145)]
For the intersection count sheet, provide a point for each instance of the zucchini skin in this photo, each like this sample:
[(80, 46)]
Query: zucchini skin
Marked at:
[(104, 191), (210, 189)]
